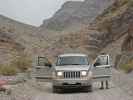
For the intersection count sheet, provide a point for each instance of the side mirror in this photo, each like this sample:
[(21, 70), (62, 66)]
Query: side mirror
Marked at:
[(96, 64), (48, 64)]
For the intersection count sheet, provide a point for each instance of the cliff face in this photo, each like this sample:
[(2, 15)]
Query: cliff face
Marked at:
[(20, 32), (114, 28), (74, 14), (11, 25), (108, 33), (15, 37), (60, 19), (117, 22), (9, 48), (108, 29), (127, 45)]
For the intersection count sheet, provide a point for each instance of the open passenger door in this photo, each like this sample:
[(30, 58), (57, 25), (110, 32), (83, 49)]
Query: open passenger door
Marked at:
[(42, 68), (102, 68)]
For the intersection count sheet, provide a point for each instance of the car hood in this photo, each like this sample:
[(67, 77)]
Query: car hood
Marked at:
[(72, 67)]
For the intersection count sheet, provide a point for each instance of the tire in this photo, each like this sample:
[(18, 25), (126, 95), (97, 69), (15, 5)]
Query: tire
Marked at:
[(56, 90), (88, 89)]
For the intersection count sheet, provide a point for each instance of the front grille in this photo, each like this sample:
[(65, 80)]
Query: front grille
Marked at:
[(72, 74)]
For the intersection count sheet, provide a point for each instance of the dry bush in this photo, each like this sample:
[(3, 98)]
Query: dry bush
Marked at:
[(22, 63), (128, 67), (7, 70)]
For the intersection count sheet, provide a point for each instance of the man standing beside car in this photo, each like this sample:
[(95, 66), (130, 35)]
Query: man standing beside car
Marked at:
[(102, 60)]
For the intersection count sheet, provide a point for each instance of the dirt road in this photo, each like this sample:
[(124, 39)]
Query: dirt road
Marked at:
[(116, 91), (119, 90)]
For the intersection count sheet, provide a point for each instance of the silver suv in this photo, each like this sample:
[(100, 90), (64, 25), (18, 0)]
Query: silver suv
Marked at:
[(72, 71)]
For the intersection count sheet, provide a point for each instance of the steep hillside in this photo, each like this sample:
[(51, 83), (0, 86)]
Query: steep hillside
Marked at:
[(72, 17), (60, 18), (15, 37), (109, 29), (74, 14), (24, 34), (115, 23), (72, 43), (8, 48), (20, 31), (111, 32), (115, 31)]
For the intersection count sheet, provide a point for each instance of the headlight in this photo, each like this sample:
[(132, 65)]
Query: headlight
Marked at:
[(59, 73), (84, 73)]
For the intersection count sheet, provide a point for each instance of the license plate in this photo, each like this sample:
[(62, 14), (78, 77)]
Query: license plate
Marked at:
[(72, 83)]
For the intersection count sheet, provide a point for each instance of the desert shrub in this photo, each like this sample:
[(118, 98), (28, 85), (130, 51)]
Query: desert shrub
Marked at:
[(22, 63), (19, 64), (128, 67), (7, 70)]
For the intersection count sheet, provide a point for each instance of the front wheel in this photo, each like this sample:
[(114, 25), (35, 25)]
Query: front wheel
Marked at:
[(56, 90), (88, 89)]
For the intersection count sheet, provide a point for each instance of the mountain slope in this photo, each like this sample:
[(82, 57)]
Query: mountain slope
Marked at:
[(117, 21), (111, 32), (74, 14), (19, 31), (13, 25), (15, 38), (60, 18), (72, 17), (9, 48)]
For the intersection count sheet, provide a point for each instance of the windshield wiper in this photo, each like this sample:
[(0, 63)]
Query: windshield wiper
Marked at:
[(75, 64), (70, 64)]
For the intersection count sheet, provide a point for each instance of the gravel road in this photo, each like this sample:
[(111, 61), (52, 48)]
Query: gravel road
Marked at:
[(119, 90), (115, 93)]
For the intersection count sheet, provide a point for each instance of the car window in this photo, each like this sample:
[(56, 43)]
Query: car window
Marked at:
[(42, 61), (72, 61), (102, 60)]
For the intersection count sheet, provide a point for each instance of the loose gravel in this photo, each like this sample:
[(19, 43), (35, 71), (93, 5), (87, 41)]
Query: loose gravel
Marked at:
[(121, 89)]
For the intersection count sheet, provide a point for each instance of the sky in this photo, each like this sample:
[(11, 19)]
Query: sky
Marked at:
[(30, 11)]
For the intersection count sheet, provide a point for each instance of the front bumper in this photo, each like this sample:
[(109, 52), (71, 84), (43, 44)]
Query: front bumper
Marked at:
[(72, 83)]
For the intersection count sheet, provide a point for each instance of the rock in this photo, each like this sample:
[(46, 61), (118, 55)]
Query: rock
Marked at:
[(73, 14)]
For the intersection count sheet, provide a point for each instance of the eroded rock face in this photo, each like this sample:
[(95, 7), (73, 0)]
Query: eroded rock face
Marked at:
[(75, 13), (114, 24), (128, 44), (111, 28), (123, 58), (8, 48)]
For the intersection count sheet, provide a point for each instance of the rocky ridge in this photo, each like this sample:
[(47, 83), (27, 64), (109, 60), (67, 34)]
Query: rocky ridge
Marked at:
[(111, 27), (74, 14)]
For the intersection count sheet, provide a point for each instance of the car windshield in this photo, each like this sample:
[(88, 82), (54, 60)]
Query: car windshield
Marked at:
[(73, 60)]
